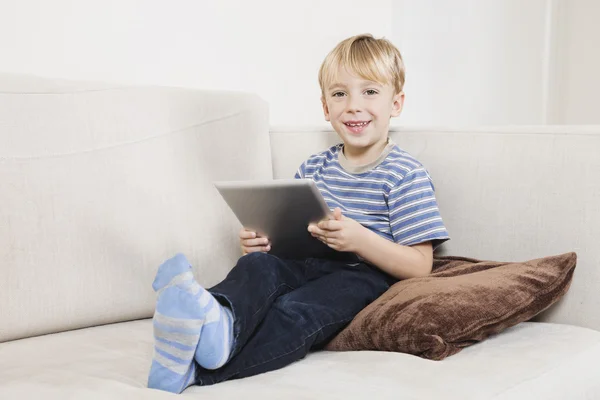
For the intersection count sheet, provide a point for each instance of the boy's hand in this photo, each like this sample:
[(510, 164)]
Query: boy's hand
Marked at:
[(339, 232), (250, 242)]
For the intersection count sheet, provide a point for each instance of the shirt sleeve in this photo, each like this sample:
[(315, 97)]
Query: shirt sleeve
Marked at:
[(414, 213), (300, 173)]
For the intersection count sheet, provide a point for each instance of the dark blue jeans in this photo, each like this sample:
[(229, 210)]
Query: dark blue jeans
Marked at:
[(285, 308)]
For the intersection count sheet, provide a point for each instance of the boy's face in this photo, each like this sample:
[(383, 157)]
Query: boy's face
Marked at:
[(360, 110)]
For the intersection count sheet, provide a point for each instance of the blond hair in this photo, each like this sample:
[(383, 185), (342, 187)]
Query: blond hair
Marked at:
[(377, 60)]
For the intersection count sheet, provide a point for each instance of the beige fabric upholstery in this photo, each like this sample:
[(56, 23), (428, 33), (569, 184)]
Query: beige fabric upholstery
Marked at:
[(506, 194), (100, 184), (529, 361)]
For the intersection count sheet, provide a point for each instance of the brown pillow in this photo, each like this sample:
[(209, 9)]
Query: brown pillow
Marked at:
[(461, 303)]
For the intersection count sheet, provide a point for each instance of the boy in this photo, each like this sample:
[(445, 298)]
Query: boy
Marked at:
[(270, 312)]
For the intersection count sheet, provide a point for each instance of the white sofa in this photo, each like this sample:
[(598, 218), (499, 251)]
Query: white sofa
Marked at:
[(101, 183)]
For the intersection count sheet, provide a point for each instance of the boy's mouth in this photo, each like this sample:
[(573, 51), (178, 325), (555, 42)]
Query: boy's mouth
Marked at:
[(356, 126)]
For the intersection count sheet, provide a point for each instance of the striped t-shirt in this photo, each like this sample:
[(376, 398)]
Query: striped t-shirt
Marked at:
[(393, 196)]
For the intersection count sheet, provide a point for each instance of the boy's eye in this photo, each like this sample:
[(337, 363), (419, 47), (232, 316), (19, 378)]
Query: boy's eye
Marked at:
[(370, 92)]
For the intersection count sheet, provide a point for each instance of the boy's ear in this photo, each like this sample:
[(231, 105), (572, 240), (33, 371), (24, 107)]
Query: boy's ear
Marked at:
[(325, 109), (398, 103)]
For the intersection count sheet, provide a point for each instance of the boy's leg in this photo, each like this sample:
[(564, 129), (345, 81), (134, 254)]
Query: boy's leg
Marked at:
[(305, 318), (248, 290)]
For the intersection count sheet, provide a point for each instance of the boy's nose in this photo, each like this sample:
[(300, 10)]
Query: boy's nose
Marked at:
[(353, 105)]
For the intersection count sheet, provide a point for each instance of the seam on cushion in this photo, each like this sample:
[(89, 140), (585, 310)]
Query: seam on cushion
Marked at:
[(123, 144), (483, 130)]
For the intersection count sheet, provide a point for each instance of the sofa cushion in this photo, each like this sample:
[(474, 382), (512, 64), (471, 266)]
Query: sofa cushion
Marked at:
[(462, 302), (528, 361), (101, 184)]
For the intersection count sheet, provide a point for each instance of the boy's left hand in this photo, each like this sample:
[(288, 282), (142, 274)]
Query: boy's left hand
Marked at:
[(339, 232)]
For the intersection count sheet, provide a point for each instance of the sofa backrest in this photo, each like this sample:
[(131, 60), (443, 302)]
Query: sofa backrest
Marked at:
[(504, 193), (100, 183)]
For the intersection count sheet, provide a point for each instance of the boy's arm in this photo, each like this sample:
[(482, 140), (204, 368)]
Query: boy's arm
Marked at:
[(345, 234), (402, 262)]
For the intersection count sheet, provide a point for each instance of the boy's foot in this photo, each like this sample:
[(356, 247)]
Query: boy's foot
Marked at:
[(175, 271), (177, 324), (216, 339)]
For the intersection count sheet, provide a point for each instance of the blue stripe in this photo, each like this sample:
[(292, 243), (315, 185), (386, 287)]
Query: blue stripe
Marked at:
[(177, 345), (400, 212), (412, 231), (171, 357), (424, 216)]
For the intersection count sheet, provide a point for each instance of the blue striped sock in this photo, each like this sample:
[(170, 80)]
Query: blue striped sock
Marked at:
[(177, 324), (216, 339)]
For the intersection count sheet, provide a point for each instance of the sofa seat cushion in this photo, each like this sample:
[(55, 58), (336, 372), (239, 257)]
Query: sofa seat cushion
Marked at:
[(530, 360)]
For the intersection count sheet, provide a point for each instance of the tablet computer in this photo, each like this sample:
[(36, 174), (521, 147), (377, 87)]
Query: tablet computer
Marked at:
[(281, 210)]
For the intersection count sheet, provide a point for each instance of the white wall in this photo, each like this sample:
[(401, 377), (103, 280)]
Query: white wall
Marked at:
[(469, 62), (270, 47), (472, 62), (578, 58)]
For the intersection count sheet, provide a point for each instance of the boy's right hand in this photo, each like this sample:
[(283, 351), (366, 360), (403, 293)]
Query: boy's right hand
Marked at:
[(251, 242)]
